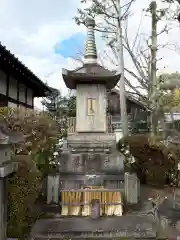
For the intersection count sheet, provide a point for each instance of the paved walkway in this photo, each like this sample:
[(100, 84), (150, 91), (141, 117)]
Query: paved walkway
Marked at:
[(132, 225), (125, 226)]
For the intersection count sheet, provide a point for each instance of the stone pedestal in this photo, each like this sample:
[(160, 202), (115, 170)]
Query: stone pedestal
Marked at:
[(91, 161), (91, 154)]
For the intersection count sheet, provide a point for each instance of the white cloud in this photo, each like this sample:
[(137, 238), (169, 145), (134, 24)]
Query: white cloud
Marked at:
[(169, 59), (30, 29)]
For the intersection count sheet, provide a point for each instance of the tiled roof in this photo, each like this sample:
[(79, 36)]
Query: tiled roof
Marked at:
[(13, 64)]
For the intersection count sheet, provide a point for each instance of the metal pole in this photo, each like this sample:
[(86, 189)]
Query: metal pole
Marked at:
[(123, 107)]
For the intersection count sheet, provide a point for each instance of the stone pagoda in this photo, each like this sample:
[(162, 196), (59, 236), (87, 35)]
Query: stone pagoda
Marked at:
[(90, 158), (91, 170)]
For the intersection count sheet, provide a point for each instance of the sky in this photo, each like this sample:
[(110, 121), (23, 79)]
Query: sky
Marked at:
[(44, 36)]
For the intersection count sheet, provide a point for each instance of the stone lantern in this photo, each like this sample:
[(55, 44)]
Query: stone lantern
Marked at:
[(6, 168)]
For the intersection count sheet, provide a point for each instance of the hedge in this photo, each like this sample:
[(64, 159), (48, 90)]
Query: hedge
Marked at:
[(34, 156), (155, 163), (23, 190)]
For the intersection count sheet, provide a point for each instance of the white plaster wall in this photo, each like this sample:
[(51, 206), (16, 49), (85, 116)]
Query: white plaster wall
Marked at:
[(29, 96), (176, 116), (91, 123), (2, 82), (22, 93), (119, 134), (12, 105), (12, 88)]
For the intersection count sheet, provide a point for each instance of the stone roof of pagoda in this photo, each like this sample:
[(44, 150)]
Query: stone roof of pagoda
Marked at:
[(91, 71)]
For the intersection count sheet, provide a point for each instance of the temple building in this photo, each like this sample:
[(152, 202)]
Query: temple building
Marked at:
[(18, 85), (135, 109)]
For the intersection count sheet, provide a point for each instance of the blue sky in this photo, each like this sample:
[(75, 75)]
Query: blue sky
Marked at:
[(71, 46)]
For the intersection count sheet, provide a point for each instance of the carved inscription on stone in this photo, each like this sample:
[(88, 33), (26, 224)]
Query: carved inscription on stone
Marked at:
[(91, 106), (106, 161), (92, 163), (63, 162), (77, 163)]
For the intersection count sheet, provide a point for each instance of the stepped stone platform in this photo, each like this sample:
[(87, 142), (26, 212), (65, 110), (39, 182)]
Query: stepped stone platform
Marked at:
[(105, 227)]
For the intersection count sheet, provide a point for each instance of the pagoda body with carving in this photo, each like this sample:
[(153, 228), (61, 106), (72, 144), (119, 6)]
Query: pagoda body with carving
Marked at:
[(90, 159)]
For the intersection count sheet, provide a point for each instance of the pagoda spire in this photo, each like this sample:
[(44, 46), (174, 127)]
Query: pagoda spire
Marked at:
[(90, 55)]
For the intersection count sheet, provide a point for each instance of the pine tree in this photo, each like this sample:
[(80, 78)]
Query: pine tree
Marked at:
[(50, 102), (60, 106)]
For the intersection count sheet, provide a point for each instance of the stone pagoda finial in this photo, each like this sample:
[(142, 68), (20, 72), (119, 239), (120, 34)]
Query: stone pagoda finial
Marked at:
[(90, 55)]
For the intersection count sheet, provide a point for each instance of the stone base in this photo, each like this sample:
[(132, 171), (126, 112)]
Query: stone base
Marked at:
[(91, 153), (91, 141), (91, 163), (92, 136), (94, 156)]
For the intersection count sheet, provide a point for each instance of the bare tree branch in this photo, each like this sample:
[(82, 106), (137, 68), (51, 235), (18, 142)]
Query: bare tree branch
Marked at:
[(137, 49)]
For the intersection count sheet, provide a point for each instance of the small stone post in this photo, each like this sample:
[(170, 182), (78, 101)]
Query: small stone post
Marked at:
[(161, 222), (53, 189), (132, 188), (6, 168)]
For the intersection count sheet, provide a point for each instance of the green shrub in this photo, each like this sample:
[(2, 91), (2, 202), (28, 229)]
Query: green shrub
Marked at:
[(23, 190), (40, 130), (154, 163), (34, 157)]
